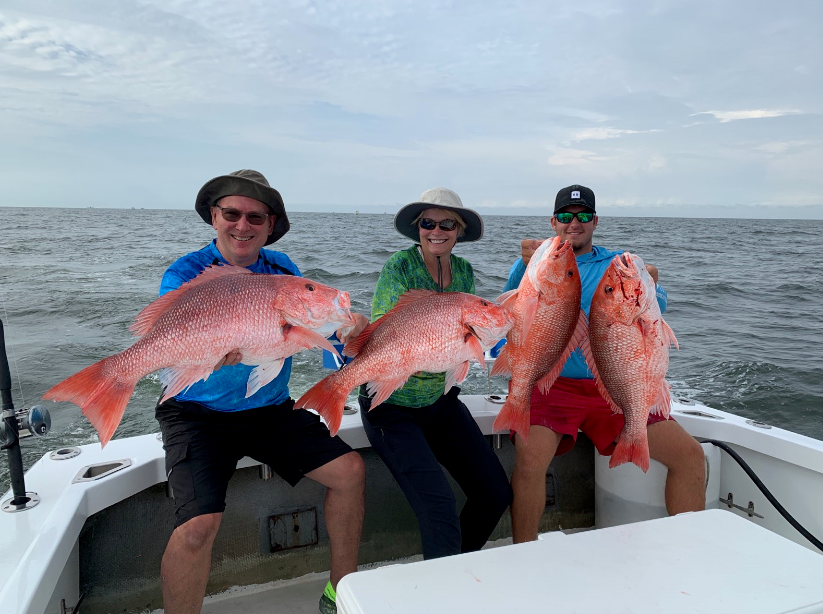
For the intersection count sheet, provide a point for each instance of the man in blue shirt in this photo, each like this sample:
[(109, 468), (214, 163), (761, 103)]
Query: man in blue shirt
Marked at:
[(212, 425), (573, 403)]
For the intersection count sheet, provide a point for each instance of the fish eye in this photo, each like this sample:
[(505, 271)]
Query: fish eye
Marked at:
[(608, 289), (310, 287), (569, 273), (484, 303)]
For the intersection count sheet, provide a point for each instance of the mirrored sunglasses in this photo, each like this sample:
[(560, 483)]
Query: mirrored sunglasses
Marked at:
[(427, 223), (566, 218), (233, 215)]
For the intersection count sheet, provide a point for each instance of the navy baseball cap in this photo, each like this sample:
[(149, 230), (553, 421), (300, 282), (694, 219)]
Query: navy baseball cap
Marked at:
[(574, 195)]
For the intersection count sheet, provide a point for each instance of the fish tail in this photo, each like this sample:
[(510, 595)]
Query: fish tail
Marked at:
[(102, 398), (513, 417), (630, 450), (328, 398)]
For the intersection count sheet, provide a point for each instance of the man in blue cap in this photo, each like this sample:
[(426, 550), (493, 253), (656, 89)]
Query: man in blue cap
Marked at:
[(574, 403)]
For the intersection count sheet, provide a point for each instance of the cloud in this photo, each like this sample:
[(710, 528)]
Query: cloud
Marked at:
[(505, 101), (730, 116)]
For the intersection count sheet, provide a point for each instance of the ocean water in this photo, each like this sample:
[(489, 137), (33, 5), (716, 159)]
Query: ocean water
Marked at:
[(745, 300)]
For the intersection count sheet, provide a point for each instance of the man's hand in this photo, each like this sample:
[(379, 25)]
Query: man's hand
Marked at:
[(350, 333), (652, 271), (528, 247), (230, 359)]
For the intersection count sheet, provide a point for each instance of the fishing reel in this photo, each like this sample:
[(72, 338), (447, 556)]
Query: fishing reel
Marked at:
[(35, 420)]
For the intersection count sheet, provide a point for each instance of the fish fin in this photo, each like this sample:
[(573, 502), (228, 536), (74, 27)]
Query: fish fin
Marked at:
[(580, 334), (102, 398), (328, 398), (668, 335), (175, 380), (527, 313), (410, 296), (308, 338), (581, 330), (501, 365), (586, 348), (507, 299), (663, 404), (513, 417), (263, 374), (545, 383), (631, 451), (355, 346), (456, 374), (149, 315), (476, 348), (382, 389)]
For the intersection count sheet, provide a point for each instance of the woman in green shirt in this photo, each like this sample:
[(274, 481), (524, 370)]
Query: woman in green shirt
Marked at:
[(418, 428)]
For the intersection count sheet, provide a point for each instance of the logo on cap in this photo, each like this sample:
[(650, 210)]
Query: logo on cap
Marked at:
[(575, 193)]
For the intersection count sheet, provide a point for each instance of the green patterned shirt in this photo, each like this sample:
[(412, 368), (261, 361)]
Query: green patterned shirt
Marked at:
[(406, 270)]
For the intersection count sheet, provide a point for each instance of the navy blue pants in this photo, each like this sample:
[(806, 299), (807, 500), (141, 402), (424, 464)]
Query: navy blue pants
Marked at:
[(414, 442)]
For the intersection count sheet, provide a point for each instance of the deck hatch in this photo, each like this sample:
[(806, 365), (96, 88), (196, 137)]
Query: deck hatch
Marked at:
[(295, 529), (97, 471)]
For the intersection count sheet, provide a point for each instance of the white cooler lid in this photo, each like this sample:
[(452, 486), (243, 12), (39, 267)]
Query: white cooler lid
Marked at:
[(711, 561)]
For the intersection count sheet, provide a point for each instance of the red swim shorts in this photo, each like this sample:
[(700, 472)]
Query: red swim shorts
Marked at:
[(575, 404)]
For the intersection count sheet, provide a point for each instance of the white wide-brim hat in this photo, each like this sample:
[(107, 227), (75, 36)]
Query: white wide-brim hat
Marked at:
[(438, 198)]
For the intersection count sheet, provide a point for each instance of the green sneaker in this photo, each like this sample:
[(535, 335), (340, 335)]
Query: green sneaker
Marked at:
[(327, 606)]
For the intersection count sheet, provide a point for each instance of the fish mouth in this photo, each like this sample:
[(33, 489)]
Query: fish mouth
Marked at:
[(625, 265), (543, 266), (562, 249), (333, 318), (627, 277)]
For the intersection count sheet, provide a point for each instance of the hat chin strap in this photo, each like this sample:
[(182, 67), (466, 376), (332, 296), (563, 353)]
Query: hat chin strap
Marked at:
[(439, 276)]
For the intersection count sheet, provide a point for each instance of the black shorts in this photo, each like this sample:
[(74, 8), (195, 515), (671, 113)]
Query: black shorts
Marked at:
[(203, 447)]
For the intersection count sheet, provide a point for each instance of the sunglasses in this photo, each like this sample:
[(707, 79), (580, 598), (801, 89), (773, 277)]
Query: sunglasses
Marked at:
[(566, 218), (427, 223), (233, 215)]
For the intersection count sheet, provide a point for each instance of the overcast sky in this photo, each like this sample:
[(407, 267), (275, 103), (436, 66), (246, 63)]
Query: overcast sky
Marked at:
[(702, 108)]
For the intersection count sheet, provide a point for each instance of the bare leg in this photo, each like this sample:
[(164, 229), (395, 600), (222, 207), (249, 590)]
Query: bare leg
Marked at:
[(671, 445), (345, 478), (184, 570), (529, 481)]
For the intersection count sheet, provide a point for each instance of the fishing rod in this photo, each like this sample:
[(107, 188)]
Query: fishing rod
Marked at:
[(17, 423)]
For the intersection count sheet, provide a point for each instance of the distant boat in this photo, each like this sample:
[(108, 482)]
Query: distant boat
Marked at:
[(357, 213)]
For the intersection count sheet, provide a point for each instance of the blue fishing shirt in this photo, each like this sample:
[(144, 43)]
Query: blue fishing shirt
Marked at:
[(225, 390), (592, 266)]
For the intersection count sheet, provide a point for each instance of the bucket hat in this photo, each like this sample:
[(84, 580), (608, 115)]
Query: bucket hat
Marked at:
[(438, 198), (244, 183)]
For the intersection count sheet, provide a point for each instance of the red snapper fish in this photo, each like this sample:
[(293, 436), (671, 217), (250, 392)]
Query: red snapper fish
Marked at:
[(628, 353), (189, 330), (425, 331), (548, 326)]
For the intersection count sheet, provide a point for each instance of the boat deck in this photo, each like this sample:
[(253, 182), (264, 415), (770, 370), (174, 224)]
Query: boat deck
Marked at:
[(95, 504), (294, 596), (711, 561)]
